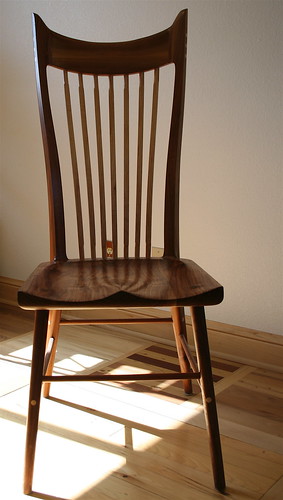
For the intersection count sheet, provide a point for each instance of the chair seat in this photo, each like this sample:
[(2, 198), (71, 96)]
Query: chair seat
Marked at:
[(142, 282)]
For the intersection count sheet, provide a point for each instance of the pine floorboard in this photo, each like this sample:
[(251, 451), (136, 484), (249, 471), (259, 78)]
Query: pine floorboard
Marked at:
[(132, 440)]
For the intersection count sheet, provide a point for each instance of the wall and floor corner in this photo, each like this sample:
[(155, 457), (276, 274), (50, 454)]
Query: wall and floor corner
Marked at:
[(232, 145)]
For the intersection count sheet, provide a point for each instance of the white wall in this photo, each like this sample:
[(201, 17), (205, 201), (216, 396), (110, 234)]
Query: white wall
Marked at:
[(231, 209)]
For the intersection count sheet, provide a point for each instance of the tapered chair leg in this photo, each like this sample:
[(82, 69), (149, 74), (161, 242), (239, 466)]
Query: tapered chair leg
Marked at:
[(208, 396), (51, 343), (40, 332), (179, 327)]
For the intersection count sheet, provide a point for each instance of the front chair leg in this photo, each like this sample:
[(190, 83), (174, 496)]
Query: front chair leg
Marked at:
[(208, 396), (39, 341), (179, 327)]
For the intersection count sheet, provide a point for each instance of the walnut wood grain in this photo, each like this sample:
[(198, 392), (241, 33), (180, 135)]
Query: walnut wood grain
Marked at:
[(151, 163), (111, 59), (139, 282)]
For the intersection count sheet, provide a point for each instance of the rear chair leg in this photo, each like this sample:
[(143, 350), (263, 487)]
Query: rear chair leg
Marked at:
[(40, 332), (52, 334), (179, 327), (208, 396)]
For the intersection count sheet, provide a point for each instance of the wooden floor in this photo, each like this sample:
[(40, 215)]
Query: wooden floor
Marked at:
[(136, 441)]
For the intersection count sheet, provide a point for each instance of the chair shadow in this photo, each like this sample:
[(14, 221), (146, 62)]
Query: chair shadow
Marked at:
[(125, 476)]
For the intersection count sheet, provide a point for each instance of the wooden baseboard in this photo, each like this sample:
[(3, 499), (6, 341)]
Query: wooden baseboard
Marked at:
[(234, 343), (8, 290)]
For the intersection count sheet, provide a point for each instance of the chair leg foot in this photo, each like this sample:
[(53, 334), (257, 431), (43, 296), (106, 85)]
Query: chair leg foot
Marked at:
[(27, 488), (208, 396), (40, 331)]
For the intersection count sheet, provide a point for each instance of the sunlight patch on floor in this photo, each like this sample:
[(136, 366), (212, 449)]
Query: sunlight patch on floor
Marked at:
[(20, 356), (75, 466), (76, 363), (63, 467), (85, 440)]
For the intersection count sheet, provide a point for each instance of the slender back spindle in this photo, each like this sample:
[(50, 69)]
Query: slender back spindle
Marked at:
[(88, 171), (126, 165), (100, 165), (139, 166), (151, 162), (74, 161), (113, 166)]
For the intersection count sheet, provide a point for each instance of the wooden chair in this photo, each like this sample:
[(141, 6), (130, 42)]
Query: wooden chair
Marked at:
[(116, 77)]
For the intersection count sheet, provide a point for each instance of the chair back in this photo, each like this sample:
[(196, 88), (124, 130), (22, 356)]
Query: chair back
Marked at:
[(111, 118)]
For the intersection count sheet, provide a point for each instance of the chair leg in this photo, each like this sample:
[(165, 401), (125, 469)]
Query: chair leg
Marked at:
[(40, 332), (179, 327), (52, 333), (208, 396)]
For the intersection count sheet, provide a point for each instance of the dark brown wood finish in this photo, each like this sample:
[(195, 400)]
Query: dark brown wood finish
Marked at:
[(208, 396), (39, 343), (98, 283), (151, 162), (133, 279), (111, 59)]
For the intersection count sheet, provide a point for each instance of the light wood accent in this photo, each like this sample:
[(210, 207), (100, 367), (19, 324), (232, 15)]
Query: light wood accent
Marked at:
[(51, 346), (181, 339), (126, 166), (100, 166), (244, 345), (112, 136), (76, 179), (87, 167), (139, 166)]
